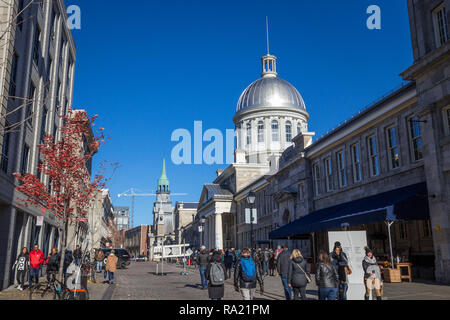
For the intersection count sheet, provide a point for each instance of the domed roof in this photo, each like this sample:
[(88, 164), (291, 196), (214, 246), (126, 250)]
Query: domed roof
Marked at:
[(269, 92)]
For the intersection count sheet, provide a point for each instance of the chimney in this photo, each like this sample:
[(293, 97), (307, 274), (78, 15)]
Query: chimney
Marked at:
[(304, 140)]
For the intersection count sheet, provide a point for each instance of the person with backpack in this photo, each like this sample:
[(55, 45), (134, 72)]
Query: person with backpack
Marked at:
[(327, 278), (23, 265), (283, 264), (216, 276), (203, 260), (298, 276), (246, 274)]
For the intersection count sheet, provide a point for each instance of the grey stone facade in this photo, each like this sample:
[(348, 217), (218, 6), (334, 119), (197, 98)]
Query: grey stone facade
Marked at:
[(36, 76)]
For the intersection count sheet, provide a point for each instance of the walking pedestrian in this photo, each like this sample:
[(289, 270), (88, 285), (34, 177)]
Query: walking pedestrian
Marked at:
[(283, 264), (99, 257), (216, 276), (327, 278), (228, 260), (203, 260), (36, 261), (23, 265), (77, 255), (298, 277), (272, 264), (52, 263), (246, 274), (111, 266), (266, 258), (372, 274), (340, 262)]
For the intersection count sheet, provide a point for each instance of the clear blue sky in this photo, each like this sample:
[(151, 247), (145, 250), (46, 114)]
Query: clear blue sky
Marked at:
[(150, 67)]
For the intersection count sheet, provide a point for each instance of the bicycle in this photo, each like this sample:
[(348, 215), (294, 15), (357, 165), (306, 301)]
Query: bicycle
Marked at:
[(49, 290)]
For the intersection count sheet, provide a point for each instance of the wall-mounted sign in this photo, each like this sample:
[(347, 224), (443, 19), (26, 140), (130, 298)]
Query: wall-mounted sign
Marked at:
[(39, 221)]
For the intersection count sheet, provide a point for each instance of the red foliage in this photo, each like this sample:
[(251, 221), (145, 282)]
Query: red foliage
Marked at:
[(65, 165)]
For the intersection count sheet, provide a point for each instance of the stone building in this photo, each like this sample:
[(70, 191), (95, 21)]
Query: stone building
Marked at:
[(184, 215), (137, 241), (270, 112), (37, 64), (163, 229), (390, 162)]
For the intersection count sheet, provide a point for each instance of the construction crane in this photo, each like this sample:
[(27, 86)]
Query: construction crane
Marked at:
[(132, 193)]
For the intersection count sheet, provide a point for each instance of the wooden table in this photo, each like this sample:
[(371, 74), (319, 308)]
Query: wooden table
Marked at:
[(405, 265)]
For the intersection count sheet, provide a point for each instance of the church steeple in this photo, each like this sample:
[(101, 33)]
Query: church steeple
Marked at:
[(163, 182)]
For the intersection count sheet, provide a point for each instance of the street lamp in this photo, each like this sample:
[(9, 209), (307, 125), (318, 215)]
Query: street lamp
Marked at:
[(202, 224), (251, 198)]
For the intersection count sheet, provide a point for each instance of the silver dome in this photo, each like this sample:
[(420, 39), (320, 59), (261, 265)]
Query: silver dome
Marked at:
[(270, 92)]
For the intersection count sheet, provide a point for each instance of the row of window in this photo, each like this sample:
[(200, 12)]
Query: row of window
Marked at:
[(373, 157), (275, 130)]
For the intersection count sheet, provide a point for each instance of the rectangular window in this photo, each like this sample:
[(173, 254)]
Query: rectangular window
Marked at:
[(341, 169), (44, 124), (288, 132), (426, 229), (403, 230), (329, 175), (373, 156), (275, 132), (30, 104), (356, 163), (260, 132), (249, 134), (440, 25), (36, 46), (446, 115), (300, 192), (13, 82), (25, 156), (392, 144), (415, 136), (316, 174), (5, 150)]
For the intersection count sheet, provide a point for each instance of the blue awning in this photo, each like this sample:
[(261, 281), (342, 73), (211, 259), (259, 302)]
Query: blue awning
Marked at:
[(408, 203)]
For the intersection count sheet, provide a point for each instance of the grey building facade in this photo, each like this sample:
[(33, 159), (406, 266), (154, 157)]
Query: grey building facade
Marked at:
[(37, 64), (122, 217)]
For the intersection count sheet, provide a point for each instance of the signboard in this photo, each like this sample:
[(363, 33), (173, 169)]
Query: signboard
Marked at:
[(175, 251), (353, 243), (39, 221), (200, 229), (248, 216)]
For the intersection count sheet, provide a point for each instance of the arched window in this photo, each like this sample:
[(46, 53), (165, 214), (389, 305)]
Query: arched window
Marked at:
[(261, 131), (249, 134), (299, 128), (275, 131), (288, 131)]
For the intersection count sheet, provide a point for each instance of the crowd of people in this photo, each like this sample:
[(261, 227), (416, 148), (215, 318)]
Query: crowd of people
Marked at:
[(248, 267), (32, 263)]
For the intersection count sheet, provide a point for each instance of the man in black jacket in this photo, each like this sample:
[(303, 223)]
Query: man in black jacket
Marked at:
[(245, 282), (203, 260), (283, 264)]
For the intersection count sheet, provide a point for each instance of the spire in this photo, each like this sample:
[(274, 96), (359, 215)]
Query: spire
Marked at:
[(163, 182), (269, 62)]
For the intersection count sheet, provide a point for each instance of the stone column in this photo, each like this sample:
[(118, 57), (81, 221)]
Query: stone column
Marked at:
[(218, 231)]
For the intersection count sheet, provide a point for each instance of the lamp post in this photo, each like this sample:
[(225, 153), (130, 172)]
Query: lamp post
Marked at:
[(184, 273), (251, 197), (202, 224)]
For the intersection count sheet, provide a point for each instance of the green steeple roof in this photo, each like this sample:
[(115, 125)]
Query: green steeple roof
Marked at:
[(163, 182)]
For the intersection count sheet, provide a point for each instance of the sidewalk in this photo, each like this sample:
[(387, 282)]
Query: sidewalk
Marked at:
[(96, 291), (392, 291)]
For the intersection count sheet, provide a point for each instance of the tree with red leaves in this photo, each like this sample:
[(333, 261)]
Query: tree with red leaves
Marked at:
[(65, 163)]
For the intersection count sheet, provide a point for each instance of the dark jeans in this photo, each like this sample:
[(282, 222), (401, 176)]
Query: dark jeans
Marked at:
[(21, 277), (266, 267), (110, 276), (343, 288), (228, 267), (34, 273), (203, 277), (287, 289), (77, 261), (328, 293), (299, 293)]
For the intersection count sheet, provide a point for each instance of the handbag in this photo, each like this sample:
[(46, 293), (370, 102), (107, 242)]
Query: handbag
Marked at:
[(308, 278), (348, 271)]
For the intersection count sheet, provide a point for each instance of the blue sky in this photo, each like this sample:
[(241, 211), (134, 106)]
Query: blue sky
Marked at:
[(150, 67)]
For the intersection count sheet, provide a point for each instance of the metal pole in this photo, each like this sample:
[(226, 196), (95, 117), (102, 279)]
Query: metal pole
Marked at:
[(389, 224), (251, 226)]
